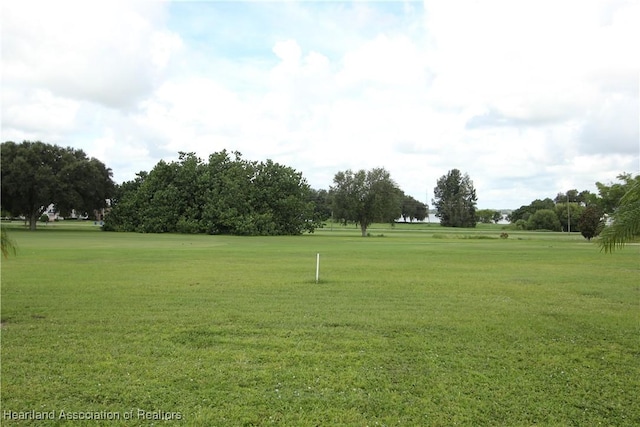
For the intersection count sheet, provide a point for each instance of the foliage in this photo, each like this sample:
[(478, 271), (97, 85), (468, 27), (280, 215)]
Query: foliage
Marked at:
[(626, 220), (590, 222), (413, 209), (525, 211), (7, 245), (321, 200), (365, 197), (488, 216), (583, 198), (35, 175), (611, 194), (520, 224), (568, 215), (123, 214), (455, 200), (226, 195), (544, 219)]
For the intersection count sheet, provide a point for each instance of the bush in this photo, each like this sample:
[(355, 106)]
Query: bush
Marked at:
[(44, 218), (521, 224), (544, 219), (188, 226), (504, 235)]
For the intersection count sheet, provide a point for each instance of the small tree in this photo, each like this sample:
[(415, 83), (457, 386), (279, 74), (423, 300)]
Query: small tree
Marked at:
[(365, 197), (590, 222), (455, 200)]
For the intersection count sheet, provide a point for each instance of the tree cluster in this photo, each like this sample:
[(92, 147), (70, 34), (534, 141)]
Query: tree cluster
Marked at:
[(551, 215), (575, 211), (36, 175), (488, 216), (230, 195), (413, 209), (365, 197), (226, 195)]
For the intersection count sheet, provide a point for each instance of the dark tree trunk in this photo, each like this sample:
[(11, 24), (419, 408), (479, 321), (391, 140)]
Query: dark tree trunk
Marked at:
[(34, 216), (33, 220)]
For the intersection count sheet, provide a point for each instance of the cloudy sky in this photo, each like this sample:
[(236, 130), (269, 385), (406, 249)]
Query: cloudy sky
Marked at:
[(529, 98)]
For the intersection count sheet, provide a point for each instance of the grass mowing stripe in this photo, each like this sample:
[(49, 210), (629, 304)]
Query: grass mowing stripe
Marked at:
[(403, 329)]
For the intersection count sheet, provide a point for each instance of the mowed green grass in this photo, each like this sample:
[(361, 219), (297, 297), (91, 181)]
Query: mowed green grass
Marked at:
[(412, 326)]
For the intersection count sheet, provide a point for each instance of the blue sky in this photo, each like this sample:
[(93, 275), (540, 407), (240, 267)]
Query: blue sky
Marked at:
[(530, 98)]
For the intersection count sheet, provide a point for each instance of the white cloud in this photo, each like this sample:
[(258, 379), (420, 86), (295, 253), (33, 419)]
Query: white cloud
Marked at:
[(391, 61), (289, 52), (525, 60), (524, 96), (37, 114), (103, 52), (119, 152)]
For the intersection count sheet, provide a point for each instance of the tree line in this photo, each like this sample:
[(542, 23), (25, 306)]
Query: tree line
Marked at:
[(227, 194), (224, 195), (231, 195), (572, 210)]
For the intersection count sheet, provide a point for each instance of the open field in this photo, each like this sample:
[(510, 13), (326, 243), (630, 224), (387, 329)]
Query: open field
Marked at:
[(415, 325)]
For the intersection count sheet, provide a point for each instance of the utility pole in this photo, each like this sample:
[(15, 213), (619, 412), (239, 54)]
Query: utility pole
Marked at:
[(568, 215)]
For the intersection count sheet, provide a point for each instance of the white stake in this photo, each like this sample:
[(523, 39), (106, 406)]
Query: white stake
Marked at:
[(317, 267)]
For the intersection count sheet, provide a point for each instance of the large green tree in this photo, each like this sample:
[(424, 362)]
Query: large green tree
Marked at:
[(455, 200), (36, 175), (226, 195), (365, 197), (281, 196)]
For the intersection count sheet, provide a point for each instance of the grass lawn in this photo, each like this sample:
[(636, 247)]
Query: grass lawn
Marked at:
[(415, 325)]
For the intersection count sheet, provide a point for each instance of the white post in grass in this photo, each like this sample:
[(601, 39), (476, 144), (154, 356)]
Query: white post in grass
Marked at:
[(317, 267)]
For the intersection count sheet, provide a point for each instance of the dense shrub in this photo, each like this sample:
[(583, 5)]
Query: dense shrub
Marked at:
[(544, 219), (226, 195)]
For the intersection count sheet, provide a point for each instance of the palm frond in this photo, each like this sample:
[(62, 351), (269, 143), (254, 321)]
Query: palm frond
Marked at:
[(7, 245), (626, 222)]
